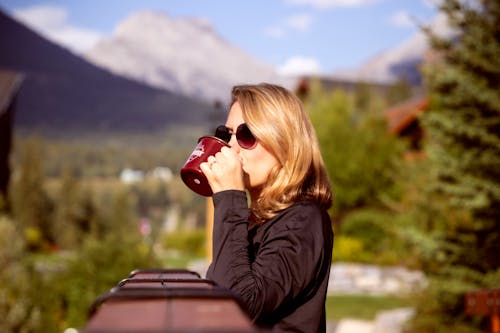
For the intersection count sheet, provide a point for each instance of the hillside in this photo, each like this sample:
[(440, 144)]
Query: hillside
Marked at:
[(64, 93)]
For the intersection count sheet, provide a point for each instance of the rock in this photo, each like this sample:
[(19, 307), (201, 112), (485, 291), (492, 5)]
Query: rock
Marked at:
[(353, 278), (354, 326), (392, 321)]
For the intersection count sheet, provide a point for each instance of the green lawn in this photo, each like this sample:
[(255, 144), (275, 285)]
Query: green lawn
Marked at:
[(361, 307)]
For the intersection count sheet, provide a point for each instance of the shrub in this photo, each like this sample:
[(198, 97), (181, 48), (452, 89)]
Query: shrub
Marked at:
[(347, 249), (191, 242), (382, 236)]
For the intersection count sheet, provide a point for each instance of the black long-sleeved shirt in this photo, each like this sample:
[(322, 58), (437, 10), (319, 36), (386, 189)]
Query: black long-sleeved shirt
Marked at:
[(279, 268)]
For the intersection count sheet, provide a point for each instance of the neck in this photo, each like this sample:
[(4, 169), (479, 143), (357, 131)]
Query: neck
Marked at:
[(254, 195)]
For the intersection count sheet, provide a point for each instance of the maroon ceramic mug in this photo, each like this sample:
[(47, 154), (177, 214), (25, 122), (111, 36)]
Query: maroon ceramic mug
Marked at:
[(191, 173)]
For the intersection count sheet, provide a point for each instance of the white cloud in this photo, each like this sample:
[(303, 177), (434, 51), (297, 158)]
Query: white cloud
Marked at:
[(275, 31), (402, 19), (440, 26), (324, 4), (432, 3), (299, 22), (299, 65), (52, 22)]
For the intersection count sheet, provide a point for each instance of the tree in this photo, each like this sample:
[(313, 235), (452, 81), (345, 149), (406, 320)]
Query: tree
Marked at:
[(399, 91), (463, 126), (74, 212), (361, 157), (30, 300), (32, 207)]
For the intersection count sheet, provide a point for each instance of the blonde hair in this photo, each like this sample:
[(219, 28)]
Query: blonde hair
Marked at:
[(278, 120)]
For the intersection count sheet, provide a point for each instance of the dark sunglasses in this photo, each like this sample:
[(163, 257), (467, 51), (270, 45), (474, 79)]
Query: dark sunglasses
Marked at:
[(244, 136)]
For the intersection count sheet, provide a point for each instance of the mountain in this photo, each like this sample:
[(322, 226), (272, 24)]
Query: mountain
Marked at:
[(62, 92), (183, 55), (403, 60)]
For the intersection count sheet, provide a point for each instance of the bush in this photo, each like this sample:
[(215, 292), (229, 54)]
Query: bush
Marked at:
[(191, 242), (367, 225), (381, 235), (100, 265), (49, 292), (347, 249), (29, 300)]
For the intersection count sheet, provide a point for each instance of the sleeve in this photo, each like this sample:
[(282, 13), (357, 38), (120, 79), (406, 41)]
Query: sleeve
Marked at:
[(287, 260)]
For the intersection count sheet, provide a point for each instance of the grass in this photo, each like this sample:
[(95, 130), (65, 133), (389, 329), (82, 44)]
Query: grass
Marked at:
[(361, 307), (176, 259)]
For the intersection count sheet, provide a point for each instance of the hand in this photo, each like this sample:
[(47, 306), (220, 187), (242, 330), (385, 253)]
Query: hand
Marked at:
[(224, 171)]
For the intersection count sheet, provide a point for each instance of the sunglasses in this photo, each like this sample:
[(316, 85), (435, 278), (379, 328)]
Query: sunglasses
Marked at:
[(244, 136)]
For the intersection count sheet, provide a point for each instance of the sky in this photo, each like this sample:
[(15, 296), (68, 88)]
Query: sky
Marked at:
[(295, 36)]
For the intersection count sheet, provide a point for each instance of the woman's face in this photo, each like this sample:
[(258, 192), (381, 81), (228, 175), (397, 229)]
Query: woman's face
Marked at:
[(257, 162)]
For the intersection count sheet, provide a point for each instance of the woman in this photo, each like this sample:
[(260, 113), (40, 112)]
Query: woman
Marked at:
[(276, 252)]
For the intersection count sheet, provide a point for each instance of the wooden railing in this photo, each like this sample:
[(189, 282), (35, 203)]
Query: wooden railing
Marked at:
[(162, 300), (486, 303)]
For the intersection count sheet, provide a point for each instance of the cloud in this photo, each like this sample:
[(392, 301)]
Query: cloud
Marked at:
[(299, 22), (402, 19), (432, 3), (52, 22), (325, 4), (275, 31), (299, 65)]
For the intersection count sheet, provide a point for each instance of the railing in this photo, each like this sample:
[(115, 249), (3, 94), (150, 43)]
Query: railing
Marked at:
[(486, 303), (159, 300)]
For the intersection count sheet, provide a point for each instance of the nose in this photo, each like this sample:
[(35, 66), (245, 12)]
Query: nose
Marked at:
[(234, 143)]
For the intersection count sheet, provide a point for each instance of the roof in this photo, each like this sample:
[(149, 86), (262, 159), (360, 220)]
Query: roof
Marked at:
[(10, 83), (402, 115)]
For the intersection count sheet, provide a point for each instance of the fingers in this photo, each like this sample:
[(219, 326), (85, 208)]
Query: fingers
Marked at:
[(210, 169), (223, 171), (226, 159), (205, 168), (229, 157), (211, 160), (213, 166)]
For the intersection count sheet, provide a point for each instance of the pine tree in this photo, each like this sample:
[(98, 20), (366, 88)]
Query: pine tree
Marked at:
[(463, 126)]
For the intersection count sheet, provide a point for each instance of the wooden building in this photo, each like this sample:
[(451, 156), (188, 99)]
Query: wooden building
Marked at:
[(10, 83), (403, 120)]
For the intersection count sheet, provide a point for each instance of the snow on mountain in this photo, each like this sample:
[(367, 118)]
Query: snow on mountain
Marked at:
[(402, 60), (183, 55)]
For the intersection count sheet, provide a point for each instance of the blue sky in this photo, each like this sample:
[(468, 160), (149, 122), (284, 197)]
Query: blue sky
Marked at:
[(313, 35)]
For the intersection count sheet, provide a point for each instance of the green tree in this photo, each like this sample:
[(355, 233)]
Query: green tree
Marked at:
[(363, 97), (360, 156), (399, 91), (123, 217), (32, 207), (30, 300), (100, 265), (463, 125), (68, 213)]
